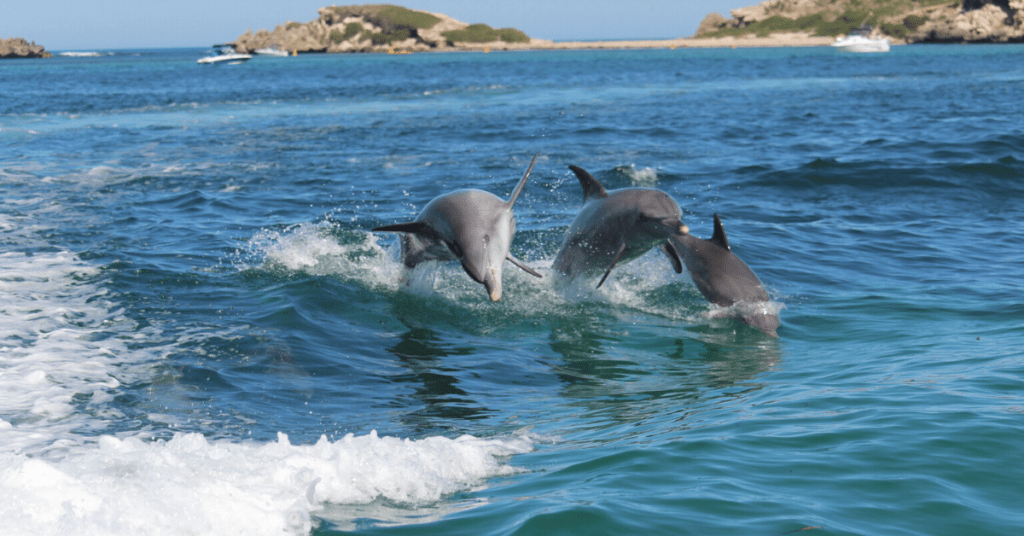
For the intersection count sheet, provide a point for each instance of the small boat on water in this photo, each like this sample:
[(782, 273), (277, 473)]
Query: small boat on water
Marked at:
[(224, 54), (272, 50), (860, 40)]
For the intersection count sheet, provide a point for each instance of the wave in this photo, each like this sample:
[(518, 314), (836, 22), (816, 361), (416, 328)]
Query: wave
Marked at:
[(73, 54), (69, 353), (80, 450), (646, 286)]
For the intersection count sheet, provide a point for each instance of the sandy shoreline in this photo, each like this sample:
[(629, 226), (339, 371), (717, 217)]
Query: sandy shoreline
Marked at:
[(776, 40)]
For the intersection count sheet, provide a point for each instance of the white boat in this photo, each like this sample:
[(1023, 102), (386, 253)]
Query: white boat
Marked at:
[(272, 50), (860, 40), (224, 54)]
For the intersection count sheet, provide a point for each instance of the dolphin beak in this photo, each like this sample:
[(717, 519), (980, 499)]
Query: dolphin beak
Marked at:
[(492, 282)]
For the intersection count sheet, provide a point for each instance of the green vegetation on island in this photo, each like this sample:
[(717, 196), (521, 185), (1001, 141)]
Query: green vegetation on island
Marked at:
[(910, 20), (396, 23), (378, 28), (482, 33)]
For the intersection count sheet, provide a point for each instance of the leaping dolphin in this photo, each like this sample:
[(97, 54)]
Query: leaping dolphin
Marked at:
[(473, 226), (615, 227), (724, 279)]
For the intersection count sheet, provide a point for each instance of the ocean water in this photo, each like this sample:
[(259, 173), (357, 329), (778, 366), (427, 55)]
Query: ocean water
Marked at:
[(199, 334)]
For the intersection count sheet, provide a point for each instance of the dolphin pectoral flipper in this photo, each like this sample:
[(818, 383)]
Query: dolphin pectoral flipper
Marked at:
[(413, 227), (522, 183), (454, 248), (523, 266), (618, 254), (424, 230), (673, 256)]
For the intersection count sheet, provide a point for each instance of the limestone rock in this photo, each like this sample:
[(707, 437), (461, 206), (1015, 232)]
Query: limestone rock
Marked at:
[(17, 47), (712, 22), (985, 23), (968, 21), (367, 28), (792, 9)]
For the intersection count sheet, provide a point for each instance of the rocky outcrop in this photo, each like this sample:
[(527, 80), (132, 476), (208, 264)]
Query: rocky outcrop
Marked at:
[(17, 47), (978, 21), (380, 28), (923, 21)]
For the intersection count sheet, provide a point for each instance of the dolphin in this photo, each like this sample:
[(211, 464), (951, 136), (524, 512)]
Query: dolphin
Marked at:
[(473, 226), (615, 227), (724, 279)]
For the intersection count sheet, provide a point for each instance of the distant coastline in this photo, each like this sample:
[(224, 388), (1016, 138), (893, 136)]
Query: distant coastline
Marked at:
[(394, 29), (770, 41), (380, 28)]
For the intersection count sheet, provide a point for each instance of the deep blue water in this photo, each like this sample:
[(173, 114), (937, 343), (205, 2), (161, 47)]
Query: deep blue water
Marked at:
[(194, 314)]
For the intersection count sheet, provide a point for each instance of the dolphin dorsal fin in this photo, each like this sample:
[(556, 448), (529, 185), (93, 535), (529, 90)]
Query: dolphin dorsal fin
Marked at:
[(719, 237), (591, 188), (522, 183)]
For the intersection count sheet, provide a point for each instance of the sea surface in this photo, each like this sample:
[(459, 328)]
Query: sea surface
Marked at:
[(199, 334)]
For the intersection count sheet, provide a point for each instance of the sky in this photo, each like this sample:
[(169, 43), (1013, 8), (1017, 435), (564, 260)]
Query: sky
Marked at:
[(112, 24)]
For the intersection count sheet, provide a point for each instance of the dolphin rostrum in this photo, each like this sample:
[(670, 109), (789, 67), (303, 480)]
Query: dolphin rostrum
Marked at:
[(473, 226), (725, 280), (615, 227)]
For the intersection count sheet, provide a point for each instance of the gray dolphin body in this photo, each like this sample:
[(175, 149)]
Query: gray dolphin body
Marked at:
[(724, 279), (473, 226), (615, 227)]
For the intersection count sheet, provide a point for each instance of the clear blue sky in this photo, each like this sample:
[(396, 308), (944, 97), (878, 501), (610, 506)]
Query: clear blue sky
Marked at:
[(103, 24)]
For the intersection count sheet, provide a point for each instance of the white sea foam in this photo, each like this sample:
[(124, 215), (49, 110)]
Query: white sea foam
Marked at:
[(313, 249), (189, 485), (73, 54), (56, 355), (647, 177)]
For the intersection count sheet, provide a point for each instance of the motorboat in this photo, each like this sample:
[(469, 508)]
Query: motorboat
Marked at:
[(272, 50), (224, 54), (860, 40)]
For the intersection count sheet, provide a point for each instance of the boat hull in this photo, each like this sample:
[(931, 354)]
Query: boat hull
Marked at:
[(861, 44)]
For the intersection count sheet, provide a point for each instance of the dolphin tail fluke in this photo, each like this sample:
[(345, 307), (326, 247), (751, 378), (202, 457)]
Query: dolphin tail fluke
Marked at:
[(673, 256), (523, 266), (719, 237), (615, 260), (591, 188), (522, 183)]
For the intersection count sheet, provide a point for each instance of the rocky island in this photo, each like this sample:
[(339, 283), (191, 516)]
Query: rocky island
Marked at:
[(911, 21), (383, 28), (773, 23), (16, 47)]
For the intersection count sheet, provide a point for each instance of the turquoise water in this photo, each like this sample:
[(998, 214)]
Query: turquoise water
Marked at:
[(199, 334)]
